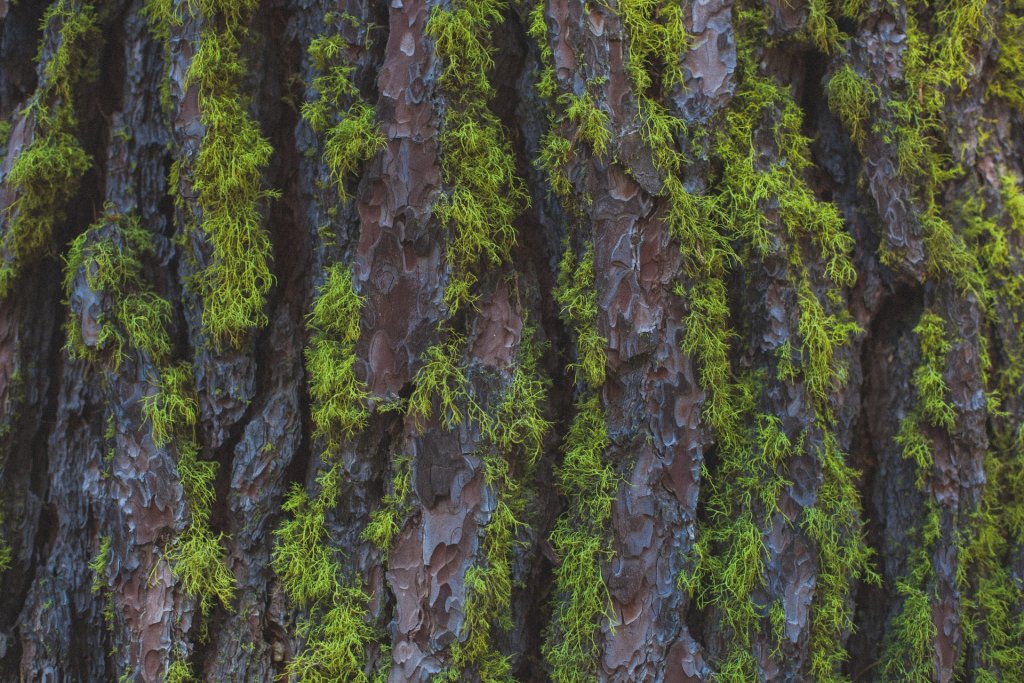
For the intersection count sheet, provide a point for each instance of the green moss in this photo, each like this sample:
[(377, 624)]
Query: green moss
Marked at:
[(477, 162), (198, 559), (98, 565), (759, 206), (928, 377), (577, 298), (592, 124), (538, 30), (851, 98), (834, 524), (336, 631), (821, 335), (179, 671), (657, 43), (339, 397), (336, 641), (173, 405), (225, 176), (555, 154), (46, 174), (581, 542), (385, 522), (1008, 80), (512, 435), (351, 136), (909, 652)]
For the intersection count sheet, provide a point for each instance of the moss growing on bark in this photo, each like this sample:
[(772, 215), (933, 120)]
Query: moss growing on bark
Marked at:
[(486, 193), (226, 174), (46, 174), (350, 133)]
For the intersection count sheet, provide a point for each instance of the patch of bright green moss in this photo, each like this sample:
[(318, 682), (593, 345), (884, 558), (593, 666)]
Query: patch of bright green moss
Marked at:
[(477, 162), (581, 541), (851, 98), (577, 298), (339, 397), (350, 136)]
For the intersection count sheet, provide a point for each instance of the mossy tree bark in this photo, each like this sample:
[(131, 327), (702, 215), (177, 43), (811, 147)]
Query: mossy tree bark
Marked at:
[(343, 340)]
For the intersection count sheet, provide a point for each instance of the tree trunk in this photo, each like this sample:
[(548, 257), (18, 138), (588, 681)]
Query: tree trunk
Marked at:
[(638, 340)]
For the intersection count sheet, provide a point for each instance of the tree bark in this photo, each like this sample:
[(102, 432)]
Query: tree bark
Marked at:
[(531, 340)]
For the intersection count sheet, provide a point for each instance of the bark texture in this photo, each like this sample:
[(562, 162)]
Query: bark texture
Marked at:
[(458, 340)]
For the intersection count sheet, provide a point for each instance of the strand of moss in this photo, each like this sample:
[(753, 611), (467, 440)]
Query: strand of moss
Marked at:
[(477, 163), (1008, 80), (581, 537), (226, 173), (485, 196), (350, 133), (46, 174), (513, 433), (991, 596), (336, 630), (908, 650), (108, 256)]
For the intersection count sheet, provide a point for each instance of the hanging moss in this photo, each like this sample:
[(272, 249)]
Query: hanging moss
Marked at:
[(736, 218), (577, 298), (486, 193), (386, 521), (1008, 80), (226, 174), (351, 136), (46, 174), (582, 543), (852, 97), (339, 397)]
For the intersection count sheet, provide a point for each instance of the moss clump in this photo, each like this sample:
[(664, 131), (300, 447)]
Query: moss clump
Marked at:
[(46, 174), (760, 206), (909, 652), (179, 671), (513, 433), (577, 298), (109, 256), (580, 540), (335, 629), (851, 98), (350, 136), (339, 397), (546, 83), (477, 161), (226, 177), (98, 565), (386, 521), (592, 124), (1008, 80), (441, 380), (226, 173)]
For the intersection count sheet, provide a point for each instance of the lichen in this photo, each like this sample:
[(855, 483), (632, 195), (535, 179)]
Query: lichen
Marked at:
[(339, 396)]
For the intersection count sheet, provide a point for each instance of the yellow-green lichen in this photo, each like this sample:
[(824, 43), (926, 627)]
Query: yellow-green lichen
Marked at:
[(581, 541), (226, 174)]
